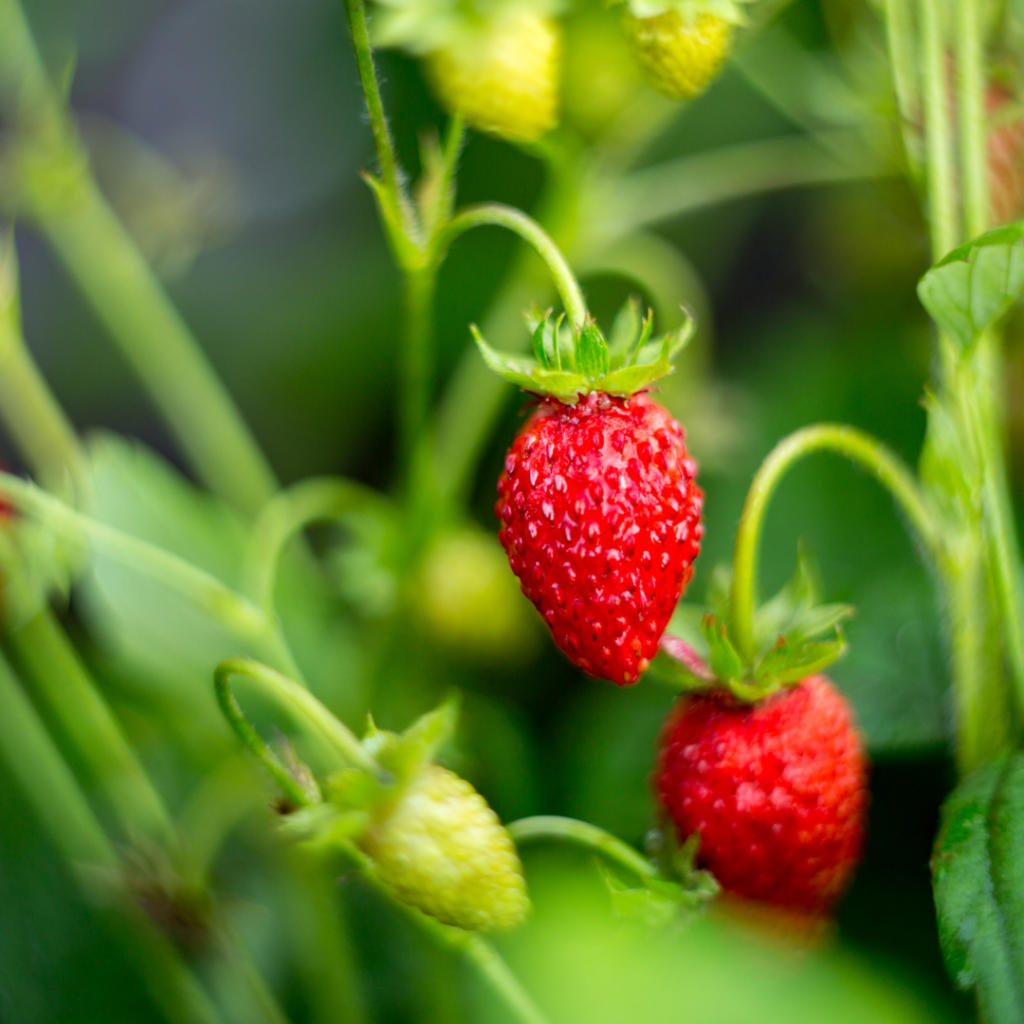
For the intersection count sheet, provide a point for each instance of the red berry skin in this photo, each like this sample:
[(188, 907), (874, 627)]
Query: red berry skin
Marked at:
[(776, 791), (600, 519)]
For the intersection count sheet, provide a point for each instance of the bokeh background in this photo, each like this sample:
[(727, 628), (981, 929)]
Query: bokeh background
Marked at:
[(230, 136)]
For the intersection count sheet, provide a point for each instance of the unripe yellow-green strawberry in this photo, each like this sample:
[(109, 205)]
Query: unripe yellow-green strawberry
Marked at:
[(502, 74), (680, 55), (469, 601), (442, 849)]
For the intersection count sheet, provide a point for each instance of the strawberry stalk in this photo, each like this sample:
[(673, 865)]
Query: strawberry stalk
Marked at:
[(583, 834), (497, 215), (870, 454)]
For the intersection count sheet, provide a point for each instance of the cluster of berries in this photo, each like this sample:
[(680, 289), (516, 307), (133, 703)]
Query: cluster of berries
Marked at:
[(498, 64), (599, 515)]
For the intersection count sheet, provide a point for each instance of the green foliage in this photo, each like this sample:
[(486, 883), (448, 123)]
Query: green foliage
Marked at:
[(967, 291), (978, 875)]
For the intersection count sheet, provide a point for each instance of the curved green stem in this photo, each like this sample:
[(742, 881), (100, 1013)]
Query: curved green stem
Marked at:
[(498, 215), (318, 499), (289, 694), (863, 449), (208, 592), (581, 833)]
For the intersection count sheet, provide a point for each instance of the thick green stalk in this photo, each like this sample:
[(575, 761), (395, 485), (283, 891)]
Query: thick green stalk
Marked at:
[(899, 20), (863, 449), (939, 152), (111, 273), (61, 679)]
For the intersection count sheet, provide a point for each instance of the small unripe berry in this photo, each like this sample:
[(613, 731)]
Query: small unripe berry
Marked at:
[(442, 849), (680, 57), (502, 76)]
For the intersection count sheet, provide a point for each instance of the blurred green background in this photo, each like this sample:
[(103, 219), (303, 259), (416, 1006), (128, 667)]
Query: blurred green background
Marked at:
[(230, 136)]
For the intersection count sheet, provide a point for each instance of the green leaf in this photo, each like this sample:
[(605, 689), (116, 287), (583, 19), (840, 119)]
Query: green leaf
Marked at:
[(978, 879), (967, 291), (788, 663)]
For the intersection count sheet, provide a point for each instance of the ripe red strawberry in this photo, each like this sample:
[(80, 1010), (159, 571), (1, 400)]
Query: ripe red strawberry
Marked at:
[(600, 518), (776, 791)]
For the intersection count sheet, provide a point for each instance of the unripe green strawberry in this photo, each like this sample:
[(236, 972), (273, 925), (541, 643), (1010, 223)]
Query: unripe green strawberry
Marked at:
[(502, 75), (469, 603), (443, 850), (680, 55)]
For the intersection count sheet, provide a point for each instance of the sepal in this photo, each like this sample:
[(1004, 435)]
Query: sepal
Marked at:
[(568, 362)]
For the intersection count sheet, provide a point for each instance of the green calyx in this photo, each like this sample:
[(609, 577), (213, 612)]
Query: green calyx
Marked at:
[(569, 362), (689, 11), (796, 638)]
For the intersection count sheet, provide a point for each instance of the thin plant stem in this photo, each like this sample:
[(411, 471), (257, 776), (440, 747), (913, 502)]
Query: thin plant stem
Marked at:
[(585, 835), (60, 677), (497, 215), (940, 163), (111, 273), (51, 789), (863, 449)]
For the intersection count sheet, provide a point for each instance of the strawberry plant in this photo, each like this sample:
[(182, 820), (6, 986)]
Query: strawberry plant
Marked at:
[(379, 659)]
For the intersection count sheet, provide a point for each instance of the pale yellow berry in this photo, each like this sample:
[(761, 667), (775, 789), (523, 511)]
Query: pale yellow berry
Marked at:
[(680, 57), (502, 76), (442, 849)]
